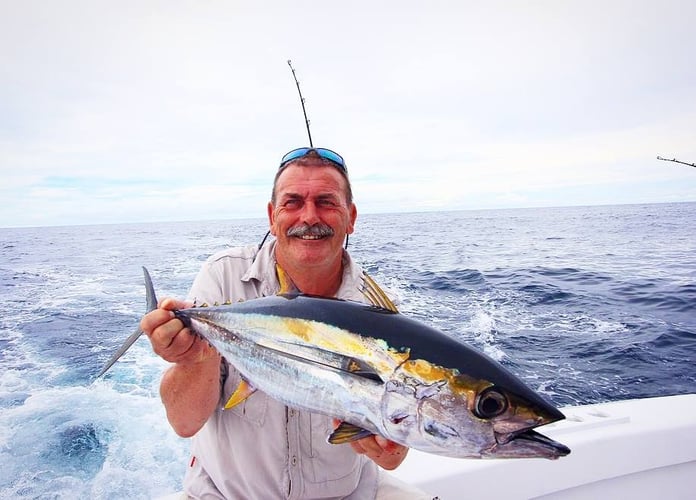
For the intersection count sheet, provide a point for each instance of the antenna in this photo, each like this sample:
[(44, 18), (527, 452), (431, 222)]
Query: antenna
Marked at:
[(304, 111), (677, 161)]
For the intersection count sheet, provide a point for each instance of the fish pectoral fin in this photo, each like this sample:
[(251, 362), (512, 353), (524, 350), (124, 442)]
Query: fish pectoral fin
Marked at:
[(346, 433), (377, 297), (324, 357), (360, 368), (243, 391)]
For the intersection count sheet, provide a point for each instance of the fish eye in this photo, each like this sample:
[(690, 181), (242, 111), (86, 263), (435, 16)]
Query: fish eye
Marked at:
[(490, 403)]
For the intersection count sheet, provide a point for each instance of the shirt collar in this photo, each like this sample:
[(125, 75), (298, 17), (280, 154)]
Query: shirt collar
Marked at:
[(262, 269)]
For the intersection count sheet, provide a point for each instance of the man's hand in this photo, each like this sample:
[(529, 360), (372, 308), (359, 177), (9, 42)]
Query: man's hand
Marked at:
[(385, 453), (170, 339), (190, 388)]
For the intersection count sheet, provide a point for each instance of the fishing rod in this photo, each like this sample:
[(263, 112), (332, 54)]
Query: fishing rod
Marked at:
[(677, 161), (304, 112), (302, 101), (309, 134)]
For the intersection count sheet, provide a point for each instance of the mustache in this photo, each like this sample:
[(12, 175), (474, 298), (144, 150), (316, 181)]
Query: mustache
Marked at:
[(318, 229)]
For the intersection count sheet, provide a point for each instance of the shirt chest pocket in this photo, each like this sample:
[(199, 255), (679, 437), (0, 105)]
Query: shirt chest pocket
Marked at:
[(253, 409), (328, 464)]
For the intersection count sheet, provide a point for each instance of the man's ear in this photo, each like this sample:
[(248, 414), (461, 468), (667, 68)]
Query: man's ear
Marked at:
[(353, 217), (271, 218)]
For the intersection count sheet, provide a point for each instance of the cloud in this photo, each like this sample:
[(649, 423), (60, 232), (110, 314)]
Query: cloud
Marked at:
[(154, 110)]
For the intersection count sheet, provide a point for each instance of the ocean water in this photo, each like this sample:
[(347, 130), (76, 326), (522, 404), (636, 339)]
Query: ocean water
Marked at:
[(586, 304)]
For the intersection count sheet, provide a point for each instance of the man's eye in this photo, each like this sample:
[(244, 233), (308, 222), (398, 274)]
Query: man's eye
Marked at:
[(292, 204)]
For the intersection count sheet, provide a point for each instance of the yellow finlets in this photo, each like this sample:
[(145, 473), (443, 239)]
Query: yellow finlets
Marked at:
[(243, 391)]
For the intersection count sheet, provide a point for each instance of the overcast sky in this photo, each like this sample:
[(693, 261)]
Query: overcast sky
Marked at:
[(124, 111)]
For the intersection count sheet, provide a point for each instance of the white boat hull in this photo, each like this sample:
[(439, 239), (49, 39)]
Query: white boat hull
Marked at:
[(636, 449), (641, 448)]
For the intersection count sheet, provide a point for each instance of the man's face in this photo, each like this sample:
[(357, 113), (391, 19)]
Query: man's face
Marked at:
[(311, 196)]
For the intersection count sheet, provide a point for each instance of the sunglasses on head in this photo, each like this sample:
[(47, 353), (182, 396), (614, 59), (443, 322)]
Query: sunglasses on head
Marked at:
[(324, 153)]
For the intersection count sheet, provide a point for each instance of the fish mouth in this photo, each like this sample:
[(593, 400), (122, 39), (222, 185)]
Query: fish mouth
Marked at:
[(515, 436), (529, 442), (538, 438)]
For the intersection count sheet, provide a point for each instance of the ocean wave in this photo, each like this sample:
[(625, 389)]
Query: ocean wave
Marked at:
[(94, 442), (585, 304)]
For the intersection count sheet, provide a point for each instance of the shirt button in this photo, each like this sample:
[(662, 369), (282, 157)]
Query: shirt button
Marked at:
[(291, 413), (293, 460)]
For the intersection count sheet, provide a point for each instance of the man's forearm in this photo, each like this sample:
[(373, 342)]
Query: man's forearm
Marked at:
[(190, 393)]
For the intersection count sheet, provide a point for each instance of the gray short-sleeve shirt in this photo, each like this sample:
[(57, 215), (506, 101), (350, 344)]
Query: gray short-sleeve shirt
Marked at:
[(260, 448)]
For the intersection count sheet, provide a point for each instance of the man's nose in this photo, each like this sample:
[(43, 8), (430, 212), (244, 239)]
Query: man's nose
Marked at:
[(310, 214)]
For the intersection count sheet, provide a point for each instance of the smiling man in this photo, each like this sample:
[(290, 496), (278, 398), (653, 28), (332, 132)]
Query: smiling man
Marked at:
[(261, 448), (311, 212)]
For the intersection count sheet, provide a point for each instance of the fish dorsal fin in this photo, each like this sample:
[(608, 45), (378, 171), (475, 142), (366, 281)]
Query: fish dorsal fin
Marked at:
[(346, 433), (243, 391), (285, 281), (377, 297)]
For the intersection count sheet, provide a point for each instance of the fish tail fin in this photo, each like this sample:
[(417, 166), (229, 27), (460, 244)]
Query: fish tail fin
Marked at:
[(151, 306), (149, 291)]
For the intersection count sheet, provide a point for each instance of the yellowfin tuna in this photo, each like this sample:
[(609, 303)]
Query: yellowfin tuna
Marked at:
[(377, 371)]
